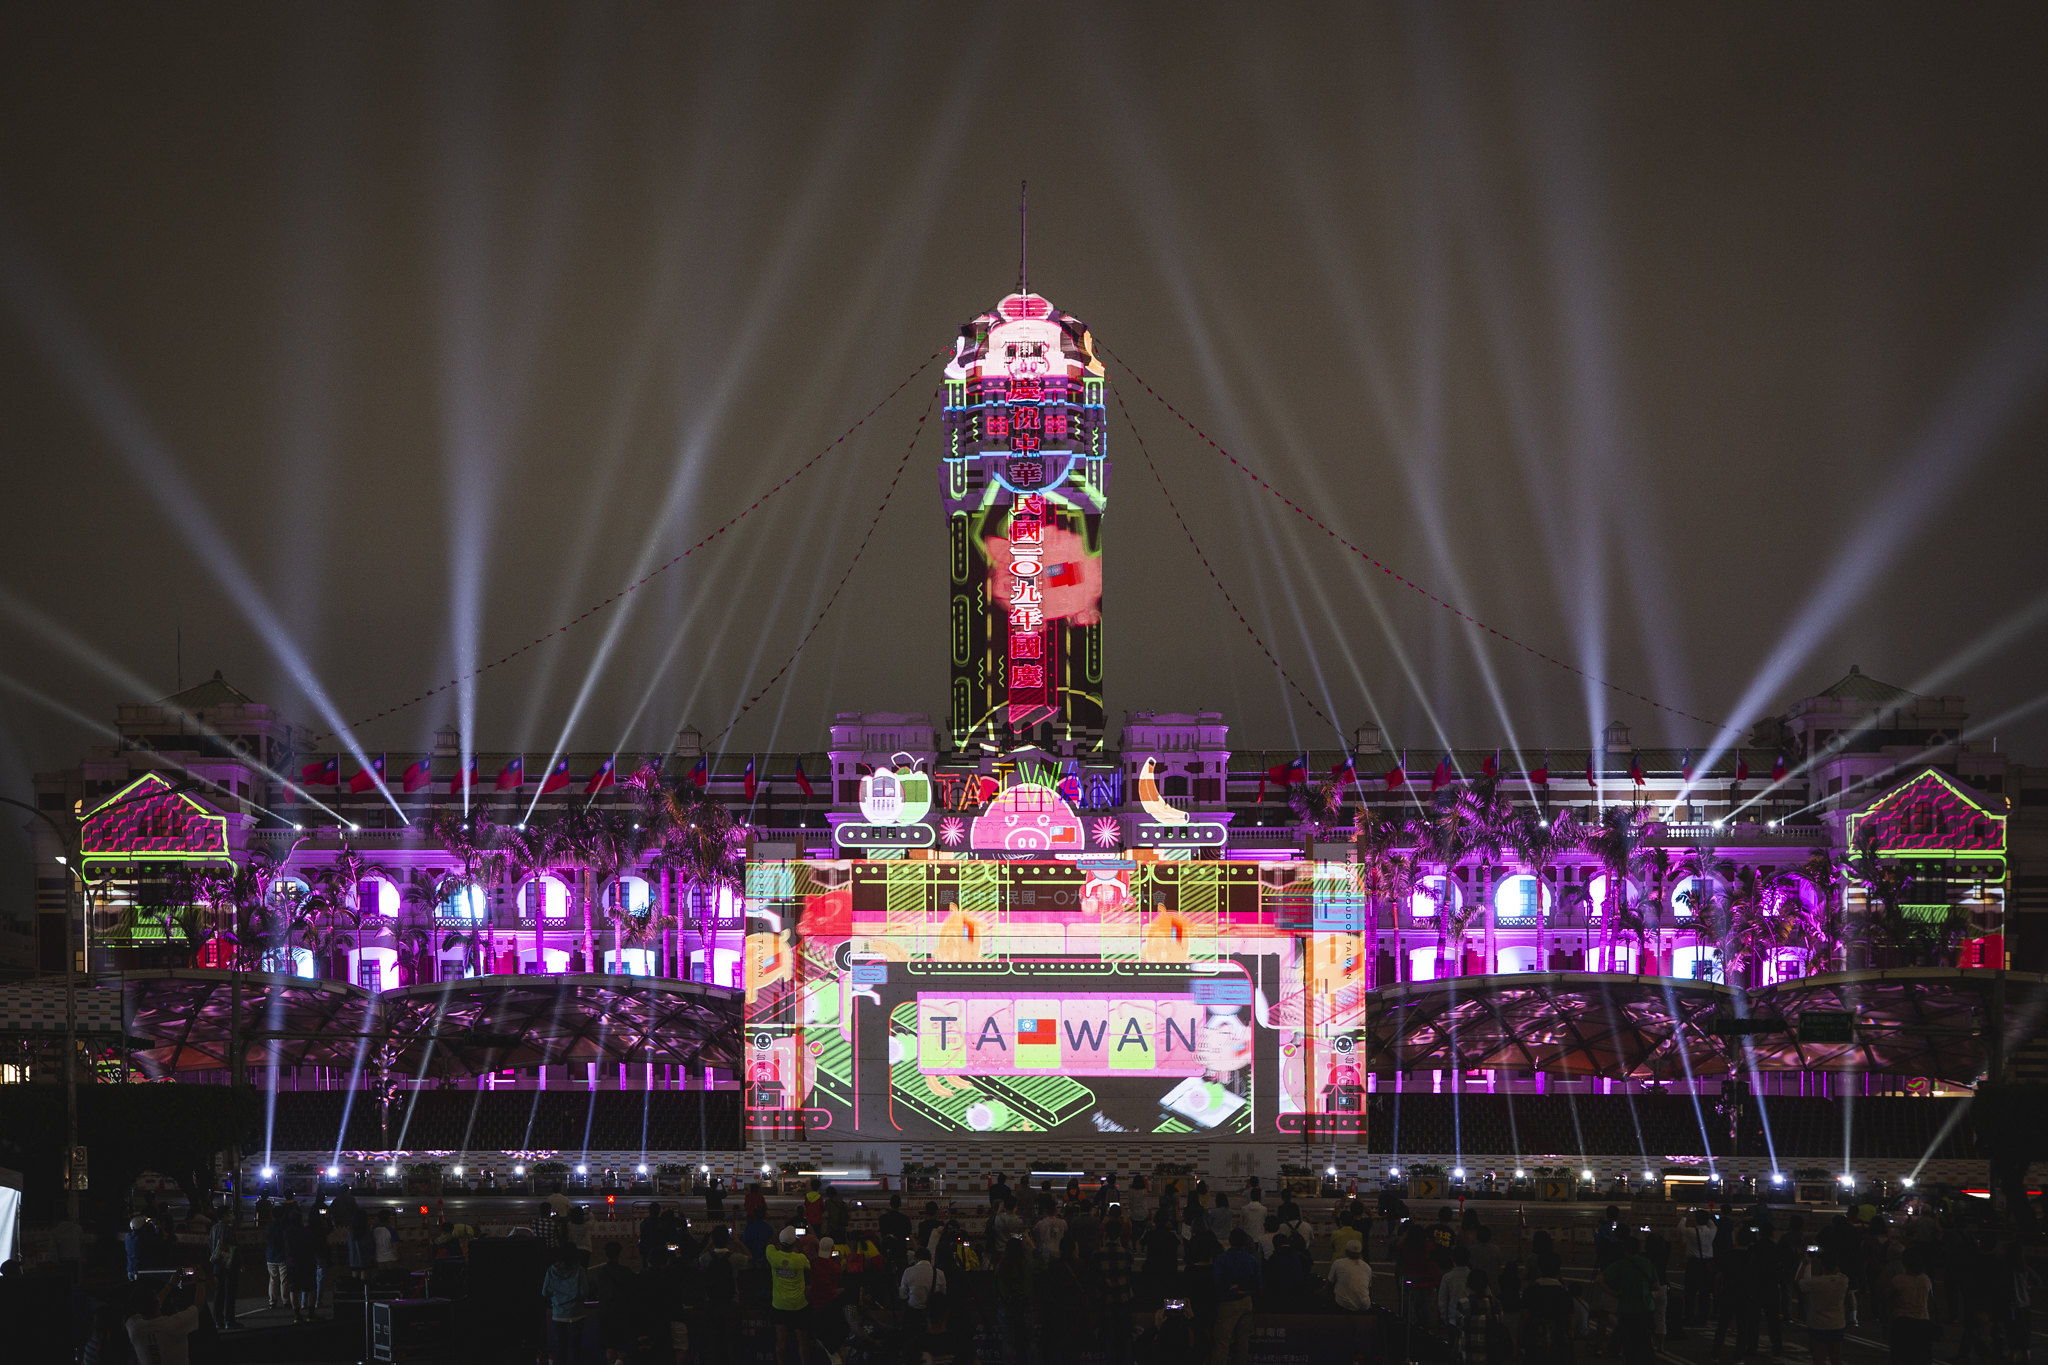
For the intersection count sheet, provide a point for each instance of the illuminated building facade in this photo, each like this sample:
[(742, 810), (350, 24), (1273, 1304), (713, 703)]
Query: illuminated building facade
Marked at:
[(1004, 924), (1026, 480)]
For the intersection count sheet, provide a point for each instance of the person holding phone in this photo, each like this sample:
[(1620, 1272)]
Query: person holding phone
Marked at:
[(1830, 1303)]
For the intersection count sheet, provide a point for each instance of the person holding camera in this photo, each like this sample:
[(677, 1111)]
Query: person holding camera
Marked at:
[(158, 1334)]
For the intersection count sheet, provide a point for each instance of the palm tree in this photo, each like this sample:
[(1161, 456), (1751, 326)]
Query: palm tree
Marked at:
[(1446, 840), (327, 931), (1318, 807), (1386, 872), (279, 914), (615, 849), (1618, 843), (606, 843), (1830, 926), (472, 939), (415, 943), (1452, 922), (327, 924), (1884, 882), (530, 851), (1705, 900), (1486, 810), (1538, 842), (1710, 920), (340, 885), (420, 897), (698, 843), (174, 900), (214, 887), (472, 840)]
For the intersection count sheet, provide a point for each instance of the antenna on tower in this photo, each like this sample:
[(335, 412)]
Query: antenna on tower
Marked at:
[(1023, 236)]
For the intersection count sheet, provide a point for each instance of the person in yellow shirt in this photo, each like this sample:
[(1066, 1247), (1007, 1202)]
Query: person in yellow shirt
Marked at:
[(789, 1275)]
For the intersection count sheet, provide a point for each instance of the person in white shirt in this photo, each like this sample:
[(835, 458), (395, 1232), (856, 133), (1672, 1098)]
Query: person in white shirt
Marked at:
[(385, 1238), (1696, 1240), (161, 1338), (1251, 1215), (1351, 1283), (921, 1279), (1450, 1294), (1351, 1279), (1050, 1231), (1830, 1303)]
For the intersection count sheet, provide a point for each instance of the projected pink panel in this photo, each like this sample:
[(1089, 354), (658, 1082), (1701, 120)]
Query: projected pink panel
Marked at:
[(985, 1033)]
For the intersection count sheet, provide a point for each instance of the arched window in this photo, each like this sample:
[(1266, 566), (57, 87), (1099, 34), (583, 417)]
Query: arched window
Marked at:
[(630, 892), (551, 894), (1688, 897), (467, 904), (378, 897), (1430, 892), (1597, 888), (1520, 898)]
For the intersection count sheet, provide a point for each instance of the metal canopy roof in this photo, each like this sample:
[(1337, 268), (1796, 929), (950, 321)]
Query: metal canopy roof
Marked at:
[(1582, 1023), (1915, 1022), (477, 1023), (1922, 1021), (183, 1018)]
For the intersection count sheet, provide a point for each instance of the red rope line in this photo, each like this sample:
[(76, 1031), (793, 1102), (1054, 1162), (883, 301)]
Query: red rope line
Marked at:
[(1406, 582), (887, 495), (1196, 546), (659, 569)]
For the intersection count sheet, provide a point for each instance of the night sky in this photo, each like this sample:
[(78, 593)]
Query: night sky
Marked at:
[(1701, 346)]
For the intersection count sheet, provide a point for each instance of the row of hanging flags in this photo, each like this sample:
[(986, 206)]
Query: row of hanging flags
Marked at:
[(1345, 772), (326, 772)]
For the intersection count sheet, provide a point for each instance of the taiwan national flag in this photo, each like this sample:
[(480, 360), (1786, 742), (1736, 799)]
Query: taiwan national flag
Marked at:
[(1685, 767), (512, 776), (463, 779), (557, 779), (367, 779), (419, 775), (700, 776), (1344, 772), (1397, 776), (1592, 777), (1778, 767), (1540, 776), (1284, 774), (322, 772), (1442, 777), (748, 778), (1635, 768), (803, 782), (1490, 767), (1741, 768), (604, 776)]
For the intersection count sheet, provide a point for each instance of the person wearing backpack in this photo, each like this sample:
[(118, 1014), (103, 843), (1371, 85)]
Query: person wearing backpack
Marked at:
[(1482, 1330), (718, 1290), (1289, 1272)]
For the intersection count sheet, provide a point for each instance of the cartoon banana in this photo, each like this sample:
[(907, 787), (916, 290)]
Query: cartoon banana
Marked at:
[(1149, 798)]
